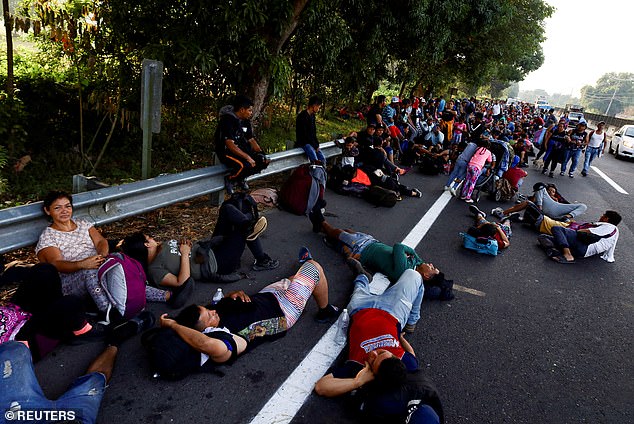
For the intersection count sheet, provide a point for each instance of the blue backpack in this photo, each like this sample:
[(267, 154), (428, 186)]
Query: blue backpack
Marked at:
[(483, 245)]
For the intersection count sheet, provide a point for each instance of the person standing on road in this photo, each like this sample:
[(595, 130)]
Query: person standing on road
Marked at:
[(595, 146), (236, 146), (578, 138), (306, 132)]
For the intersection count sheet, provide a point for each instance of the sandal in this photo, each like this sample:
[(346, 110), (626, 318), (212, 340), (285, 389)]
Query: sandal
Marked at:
[(562, 260)]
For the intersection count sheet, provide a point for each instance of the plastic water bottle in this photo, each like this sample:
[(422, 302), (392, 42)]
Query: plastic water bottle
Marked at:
[(342, 328), (217, 296)]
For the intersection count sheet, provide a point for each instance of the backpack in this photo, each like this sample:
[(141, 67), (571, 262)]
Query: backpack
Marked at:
[(12, 319), (123, 282), (173, 359), (380, 196), (503, 186), (483, 245), (265, 196), (295, 193)]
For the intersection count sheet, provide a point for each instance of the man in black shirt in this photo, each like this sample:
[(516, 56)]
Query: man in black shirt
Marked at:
[(253, 319), (306, 132), (236, 146)]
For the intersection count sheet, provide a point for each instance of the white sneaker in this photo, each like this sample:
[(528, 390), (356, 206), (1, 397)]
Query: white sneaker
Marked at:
[(452, 190)]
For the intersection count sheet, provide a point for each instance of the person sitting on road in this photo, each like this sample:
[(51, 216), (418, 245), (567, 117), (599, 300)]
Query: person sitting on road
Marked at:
[(255, 318), (236, 146), (38, 308), (597, 238), (75, 248), (391, 261), (171, 264), (515, 175), (379, 356)]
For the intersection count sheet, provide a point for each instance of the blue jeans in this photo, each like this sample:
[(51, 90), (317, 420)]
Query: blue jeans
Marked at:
[(575, 155), (401, 300), (352, 244), (314, 155), (20, 392), (591, 153), (565, 237), (459, 171)]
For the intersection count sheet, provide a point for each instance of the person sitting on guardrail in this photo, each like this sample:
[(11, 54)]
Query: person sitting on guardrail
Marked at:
[(253, 319), (236, 146), (170, 264), (306, 132), (75, 247)]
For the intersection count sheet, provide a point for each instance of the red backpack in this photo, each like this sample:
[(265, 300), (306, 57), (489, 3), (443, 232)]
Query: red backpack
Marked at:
[(293, 196)]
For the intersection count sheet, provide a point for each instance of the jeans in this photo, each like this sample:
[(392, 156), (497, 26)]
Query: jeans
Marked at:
[(591, 153), (352, 244), (459, 171), (314, 155), (565, 237), (575, 155), (557, 210), (401, 300), (21, 393)]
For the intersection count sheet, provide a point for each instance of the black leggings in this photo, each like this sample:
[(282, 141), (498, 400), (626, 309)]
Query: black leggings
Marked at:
[(233, 225), (53, 315)]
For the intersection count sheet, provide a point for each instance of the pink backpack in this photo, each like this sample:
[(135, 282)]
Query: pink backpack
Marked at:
[(123, 281), (12, 318)]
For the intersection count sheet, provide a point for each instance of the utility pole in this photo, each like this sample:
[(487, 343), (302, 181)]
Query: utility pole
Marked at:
[(611, 100)]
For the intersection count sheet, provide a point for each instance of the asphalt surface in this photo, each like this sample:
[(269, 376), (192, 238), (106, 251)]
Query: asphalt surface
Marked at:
[(546, 342)]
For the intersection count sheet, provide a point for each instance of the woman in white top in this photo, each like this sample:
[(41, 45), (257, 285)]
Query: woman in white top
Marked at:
[(74, 247), (595, 146)]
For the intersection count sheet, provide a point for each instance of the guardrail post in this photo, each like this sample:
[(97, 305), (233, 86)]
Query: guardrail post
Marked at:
[(216, 197)]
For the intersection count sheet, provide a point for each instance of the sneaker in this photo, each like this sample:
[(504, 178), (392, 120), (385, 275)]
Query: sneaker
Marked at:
[(265, 264), (358, 269), (244, 186), (446, 188), (498, 213), (584, 174), (304, 255), (416, 193), (144, 321), (475, 211), (562, 173), (258, 228), (452, 191), (409, 328), (551, 175), (571, 175), (181, 294), (229, 185), (328, 314), (96, 334), (468, 200), (544, 171)]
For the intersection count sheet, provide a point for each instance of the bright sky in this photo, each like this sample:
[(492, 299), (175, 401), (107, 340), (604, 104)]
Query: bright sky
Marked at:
[(601, 31)]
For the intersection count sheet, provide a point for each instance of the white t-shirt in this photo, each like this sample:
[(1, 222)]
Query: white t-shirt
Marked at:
[(74, 245), (604, 246), (596, 140)]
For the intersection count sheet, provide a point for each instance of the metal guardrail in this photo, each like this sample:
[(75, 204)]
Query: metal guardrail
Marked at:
[(21, 226)]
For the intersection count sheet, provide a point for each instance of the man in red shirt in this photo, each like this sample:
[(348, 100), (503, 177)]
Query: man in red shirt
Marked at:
[(515, 175)]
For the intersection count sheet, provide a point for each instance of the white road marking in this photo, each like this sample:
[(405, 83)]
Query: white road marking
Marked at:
[(609, 180), (418, 232), (475, 292), (291, 395)]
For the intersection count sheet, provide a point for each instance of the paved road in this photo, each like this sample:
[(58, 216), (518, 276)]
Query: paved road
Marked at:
[(544, 343)]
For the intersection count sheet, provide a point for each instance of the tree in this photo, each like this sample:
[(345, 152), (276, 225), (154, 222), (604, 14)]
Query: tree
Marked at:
[(8, 25), (612, 94)]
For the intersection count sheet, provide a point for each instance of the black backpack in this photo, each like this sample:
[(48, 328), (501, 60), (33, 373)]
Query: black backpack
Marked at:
[(173, 359), (380, 196)]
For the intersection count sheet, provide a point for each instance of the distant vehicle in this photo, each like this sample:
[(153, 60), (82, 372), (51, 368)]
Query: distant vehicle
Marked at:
[(622, 143), (542, 104), (512, 100), (574, 118)]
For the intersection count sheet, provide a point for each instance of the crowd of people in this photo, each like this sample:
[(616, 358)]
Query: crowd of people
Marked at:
[(62, 299)]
